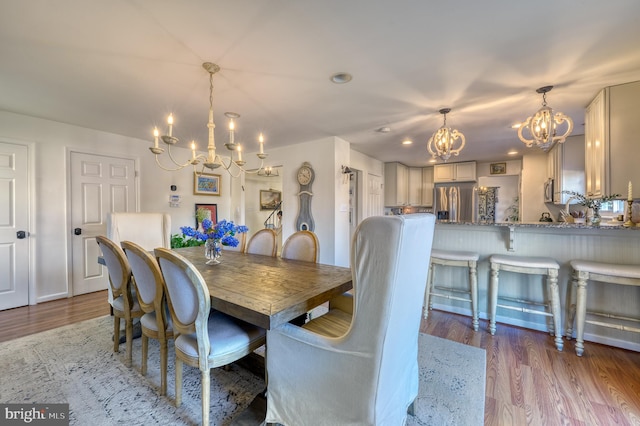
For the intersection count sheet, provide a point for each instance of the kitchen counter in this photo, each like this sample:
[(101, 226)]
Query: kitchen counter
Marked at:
[(560, 241), (555, 225)]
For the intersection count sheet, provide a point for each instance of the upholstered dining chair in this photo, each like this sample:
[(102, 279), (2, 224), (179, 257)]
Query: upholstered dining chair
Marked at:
[(156, 322), (204, 338), (301, 245), (263, 242), (148, 230), (358, 363), (125, 304), (242, 242)]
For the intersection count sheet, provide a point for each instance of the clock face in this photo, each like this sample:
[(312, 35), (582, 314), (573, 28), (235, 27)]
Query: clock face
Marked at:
[(304, 175)]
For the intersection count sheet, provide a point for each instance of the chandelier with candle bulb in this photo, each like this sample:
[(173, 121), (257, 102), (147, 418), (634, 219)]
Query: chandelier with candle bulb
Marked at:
[(445, 141), (544, 125), (211, 160)]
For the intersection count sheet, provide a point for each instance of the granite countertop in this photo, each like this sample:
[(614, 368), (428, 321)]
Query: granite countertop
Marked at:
[(560, 225)]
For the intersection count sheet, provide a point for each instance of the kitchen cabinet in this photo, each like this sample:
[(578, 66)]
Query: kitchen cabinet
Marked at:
[(455, 172), (566, 166), (611, 132), (396, 184), (415, 186), (427, 186)]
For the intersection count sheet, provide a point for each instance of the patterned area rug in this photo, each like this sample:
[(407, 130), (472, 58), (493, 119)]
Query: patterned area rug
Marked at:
[(75, 364)]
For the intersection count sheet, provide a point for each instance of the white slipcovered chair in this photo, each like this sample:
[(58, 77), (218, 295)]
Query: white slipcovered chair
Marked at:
[(358, 363), (205, 338), (301, 245), (125, 303), (148, 230), (263, 242), (156, 322)]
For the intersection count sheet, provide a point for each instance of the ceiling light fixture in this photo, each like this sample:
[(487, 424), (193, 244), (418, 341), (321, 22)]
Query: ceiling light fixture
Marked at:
[(441, 143), (341, 77), (211, 160), (543, 125), (407, 142)]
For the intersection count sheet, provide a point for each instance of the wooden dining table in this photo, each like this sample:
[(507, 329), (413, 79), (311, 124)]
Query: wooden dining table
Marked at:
[(267, 291)]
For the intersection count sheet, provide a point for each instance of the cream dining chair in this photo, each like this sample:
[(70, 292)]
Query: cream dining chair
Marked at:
[(358, 363), (156, 322), (125, 303), (205, 338), (263, 242), (301, 245), (242, 242)]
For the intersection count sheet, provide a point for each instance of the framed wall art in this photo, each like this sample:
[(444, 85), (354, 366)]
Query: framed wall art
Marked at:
[(206, 184), (206, 211), (269, 199), (498, 168)]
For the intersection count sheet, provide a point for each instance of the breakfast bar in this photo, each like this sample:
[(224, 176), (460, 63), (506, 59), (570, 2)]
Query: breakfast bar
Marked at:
[(560, 241)]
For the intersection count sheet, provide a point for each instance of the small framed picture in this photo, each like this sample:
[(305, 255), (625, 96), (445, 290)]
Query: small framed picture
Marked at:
[(270, 199), (206, 184), (206, 211), (498, 168)]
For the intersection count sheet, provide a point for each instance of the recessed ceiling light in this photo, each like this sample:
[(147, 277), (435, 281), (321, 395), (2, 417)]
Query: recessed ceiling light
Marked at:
[(433, 160), (383, 129), (516, 126), (512, 152), (407, 142), (341, 77)]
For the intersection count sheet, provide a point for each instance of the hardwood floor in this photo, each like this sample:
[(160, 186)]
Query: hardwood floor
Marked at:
[(528, 380)]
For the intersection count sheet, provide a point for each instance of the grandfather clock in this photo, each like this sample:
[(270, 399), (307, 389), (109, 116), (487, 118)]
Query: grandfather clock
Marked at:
[(304, 221)]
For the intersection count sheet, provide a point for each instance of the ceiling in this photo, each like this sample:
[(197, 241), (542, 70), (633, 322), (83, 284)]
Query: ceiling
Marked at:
[(122, 66)]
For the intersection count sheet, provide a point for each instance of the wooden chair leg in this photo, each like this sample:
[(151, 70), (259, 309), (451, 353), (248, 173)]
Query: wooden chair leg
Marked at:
[(163, 366), (206, 385), (178, 382), (116, 333), (145, 353)]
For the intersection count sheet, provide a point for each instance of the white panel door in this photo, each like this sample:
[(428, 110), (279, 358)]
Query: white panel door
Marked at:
[(374, 197), (99, 185), (14, 219)]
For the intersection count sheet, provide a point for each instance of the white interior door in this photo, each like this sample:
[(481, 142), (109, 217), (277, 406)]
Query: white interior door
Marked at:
[(99, 185), (14, 226), (374, 196)]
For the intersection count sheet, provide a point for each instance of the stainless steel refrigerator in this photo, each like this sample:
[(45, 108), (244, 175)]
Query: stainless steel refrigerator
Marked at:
[(456, 202)]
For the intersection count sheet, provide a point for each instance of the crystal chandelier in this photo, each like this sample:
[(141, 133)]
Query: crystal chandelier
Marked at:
[(543, 125), (211, 160), (441, 143)]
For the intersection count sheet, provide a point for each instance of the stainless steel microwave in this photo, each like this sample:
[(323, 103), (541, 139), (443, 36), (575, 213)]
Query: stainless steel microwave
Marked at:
[(548, 191)]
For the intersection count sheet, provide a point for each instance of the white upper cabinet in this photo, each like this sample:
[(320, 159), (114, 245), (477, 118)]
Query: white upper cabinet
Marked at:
[(427, 186), (455, 172), (612, 129), (415, 186), (396, 184), (566, 167)]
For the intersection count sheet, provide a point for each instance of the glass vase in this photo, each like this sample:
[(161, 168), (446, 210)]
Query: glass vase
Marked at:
[(212, 251), (595, 217)]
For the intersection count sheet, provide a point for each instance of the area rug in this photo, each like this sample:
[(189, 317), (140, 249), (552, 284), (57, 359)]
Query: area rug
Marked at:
[(75, 364)]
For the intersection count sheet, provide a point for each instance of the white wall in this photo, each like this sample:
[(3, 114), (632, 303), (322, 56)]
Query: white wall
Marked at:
[(534, 175)]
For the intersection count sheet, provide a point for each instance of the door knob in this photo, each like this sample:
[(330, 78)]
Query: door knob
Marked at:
[(21, 235), (77, 231)]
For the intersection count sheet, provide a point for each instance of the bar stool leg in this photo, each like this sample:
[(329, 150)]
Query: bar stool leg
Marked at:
[(580, 281), (494, 297), (571, 307), (555, 307), (427, 294), (473, 282)]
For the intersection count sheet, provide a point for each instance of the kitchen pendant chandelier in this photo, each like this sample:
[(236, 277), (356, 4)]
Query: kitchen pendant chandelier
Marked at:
[(543, 125), (441, 143), (211, 160)]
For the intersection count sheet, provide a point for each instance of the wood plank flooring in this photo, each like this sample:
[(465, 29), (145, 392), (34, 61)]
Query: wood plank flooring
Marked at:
[(528, 380)]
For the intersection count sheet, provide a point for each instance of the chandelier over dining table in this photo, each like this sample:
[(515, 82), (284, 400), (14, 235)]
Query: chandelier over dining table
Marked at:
[(211, 160)]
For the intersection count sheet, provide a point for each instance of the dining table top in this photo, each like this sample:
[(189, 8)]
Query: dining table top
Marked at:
[(267, 291)]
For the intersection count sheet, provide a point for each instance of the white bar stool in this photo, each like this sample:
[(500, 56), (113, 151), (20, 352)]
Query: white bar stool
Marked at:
[(584, 270), (465, 259), (532, 266)]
